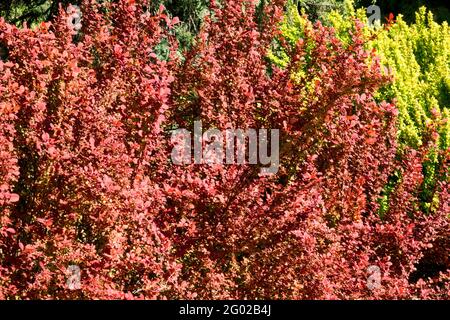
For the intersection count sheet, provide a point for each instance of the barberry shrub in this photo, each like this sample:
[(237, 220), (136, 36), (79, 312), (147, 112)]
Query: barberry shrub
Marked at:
[(82, 123), (87, 178)]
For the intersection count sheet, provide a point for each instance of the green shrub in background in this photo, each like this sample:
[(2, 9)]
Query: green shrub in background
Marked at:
[(318, 9), (419, 57), (31, 11)]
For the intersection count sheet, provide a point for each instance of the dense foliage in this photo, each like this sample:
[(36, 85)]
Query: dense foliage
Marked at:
[(417, 57), (86, 176)]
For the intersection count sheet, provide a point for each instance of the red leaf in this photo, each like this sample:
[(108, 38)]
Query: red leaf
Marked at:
[(14, 197)]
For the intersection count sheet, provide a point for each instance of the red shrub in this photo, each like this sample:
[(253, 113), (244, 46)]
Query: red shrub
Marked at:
[(85, 144)]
